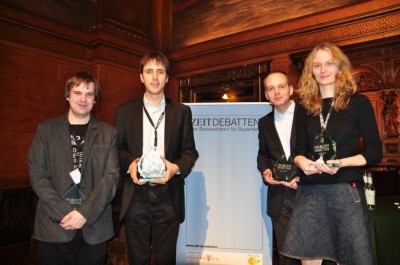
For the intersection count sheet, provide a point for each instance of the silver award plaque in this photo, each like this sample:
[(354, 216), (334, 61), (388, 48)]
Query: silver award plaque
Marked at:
[(151, 167)]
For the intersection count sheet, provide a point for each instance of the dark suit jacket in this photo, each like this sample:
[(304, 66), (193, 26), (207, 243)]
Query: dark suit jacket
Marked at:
[(50, 162), (179, 147), (270, 150)]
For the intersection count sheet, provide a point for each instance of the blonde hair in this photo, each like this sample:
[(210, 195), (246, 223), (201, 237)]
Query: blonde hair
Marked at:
[(345, 85)]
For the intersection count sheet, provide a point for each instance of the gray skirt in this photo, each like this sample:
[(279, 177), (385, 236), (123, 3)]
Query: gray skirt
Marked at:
[(329, 222)]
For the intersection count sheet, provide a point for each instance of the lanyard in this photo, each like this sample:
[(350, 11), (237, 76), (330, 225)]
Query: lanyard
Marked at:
[(321, 118), (152, 124)]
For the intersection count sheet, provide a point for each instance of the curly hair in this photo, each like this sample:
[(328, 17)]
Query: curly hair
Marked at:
[(345, 85)]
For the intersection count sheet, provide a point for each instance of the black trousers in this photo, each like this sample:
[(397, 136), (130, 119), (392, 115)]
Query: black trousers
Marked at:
[(280, 223), (74, 252), (151, 226)]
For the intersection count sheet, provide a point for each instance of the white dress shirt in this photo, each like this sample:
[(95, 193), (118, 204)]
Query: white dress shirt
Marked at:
[(148, 130), (283, 124)]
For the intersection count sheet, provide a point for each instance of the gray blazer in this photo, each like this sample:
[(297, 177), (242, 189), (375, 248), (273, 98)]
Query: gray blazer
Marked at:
[(50, 162)]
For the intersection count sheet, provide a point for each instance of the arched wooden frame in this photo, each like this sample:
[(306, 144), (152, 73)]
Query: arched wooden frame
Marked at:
[(368, 79)]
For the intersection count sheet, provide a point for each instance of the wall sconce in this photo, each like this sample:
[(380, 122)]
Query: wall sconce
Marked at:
[(225, 96)]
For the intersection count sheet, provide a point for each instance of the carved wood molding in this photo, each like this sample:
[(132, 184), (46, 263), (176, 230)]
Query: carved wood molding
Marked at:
[(121, 29), (349, 31), (368, 81)]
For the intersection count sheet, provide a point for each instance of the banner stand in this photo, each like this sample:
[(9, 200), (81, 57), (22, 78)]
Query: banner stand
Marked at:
[(226, 221)]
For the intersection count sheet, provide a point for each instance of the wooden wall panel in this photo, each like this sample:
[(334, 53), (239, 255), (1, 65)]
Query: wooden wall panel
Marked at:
[(132, 13), (199, 21), (13, 165), (77, 14), (38, 54), (213, 55), (36, 80), (117, 85), (31, 90)]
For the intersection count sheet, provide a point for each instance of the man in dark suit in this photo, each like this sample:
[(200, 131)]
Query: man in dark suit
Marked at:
[(277, 139), (73, 168), (152, 210)]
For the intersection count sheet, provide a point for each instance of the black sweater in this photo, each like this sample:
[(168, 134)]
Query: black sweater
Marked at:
[(346, 127)]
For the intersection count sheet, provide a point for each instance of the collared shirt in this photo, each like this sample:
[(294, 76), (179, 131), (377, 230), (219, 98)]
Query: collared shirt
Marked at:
[(283, 125), (148, 130)]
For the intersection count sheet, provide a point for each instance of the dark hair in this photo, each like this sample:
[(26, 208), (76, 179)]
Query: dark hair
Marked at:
[(79, 78), (158, 56)]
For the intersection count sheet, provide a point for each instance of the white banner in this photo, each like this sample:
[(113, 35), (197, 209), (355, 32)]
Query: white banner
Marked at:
[(226, 221)]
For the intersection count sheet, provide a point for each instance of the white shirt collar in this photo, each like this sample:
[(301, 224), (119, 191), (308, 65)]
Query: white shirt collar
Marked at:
[(288, 112), (149, 105)]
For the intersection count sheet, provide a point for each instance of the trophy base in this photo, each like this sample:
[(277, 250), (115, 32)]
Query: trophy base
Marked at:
[(149, 179), (332, 165), (284, 179)]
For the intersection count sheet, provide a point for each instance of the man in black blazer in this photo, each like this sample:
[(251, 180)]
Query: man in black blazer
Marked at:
[(153, 210), (277, 138)]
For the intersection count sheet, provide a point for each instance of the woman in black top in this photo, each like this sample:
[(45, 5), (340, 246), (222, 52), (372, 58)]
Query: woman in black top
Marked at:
[(330, 220)]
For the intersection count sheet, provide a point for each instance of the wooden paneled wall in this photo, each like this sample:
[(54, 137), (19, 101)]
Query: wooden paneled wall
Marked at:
[(37, 55), (372, 20), (368, 32)]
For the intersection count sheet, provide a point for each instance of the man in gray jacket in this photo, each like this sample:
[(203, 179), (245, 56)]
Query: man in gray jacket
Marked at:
[(73, 167)]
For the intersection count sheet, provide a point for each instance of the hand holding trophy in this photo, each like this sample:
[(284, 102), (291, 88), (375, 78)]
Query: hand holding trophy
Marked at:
[(284, 169), (151, 167), (324, 148), (74, 194)]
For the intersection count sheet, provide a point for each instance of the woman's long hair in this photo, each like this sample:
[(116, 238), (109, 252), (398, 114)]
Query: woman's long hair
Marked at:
[(345, 85)]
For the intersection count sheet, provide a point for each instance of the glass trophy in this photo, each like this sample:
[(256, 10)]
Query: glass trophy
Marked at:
[(74, 196), (151, 167), (324, 148), (284, 169)]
